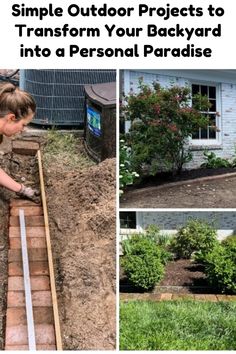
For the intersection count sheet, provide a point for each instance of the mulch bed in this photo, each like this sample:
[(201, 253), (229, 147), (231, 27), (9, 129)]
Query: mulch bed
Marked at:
[(181, 276), (167, 177), (183, 272)]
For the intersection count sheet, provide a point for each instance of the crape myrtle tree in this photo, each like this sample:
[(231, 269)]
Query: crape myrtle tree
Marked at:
[(162, 121)]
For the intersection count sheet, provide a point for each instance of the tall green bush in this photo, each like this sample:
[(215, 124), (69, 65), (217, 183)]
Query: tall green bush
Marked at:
[(143, 261), (220, 266), (162, 122), (195, 236)]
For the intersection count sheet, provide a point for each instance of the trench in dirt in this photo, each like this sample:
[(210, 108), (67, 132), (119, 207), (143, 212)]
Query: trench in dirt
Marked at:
[(81, 206), (23, 169)]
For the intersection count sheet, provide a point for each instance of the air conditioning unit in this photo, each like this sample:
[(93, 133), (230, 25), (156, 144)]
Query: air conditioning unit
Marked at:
[(59, 94)]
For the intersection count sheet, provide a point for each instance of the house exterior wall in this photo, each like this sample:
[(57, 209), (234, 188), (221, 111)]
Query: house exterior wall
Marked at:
[(170, 221), (225, 81)]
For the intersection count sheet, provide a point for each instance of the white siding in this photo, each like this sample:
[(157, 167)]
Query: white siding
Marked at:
[(170, 221)]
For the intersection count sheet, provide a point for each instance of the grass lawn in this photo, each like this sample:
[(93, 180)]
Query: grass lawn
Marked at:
[(65, 149), (177, 325)]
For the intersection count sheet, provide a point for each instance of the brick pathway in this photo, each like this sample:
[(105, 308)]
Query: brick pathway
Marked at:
[(16, 326), (169, 296)]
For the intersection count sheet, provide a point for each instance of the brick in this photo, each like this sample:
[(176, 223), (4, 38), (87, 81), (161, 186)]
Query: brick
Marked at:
[(36, 268), (231, 297), (28, 210), (182, 297), (39, 242), (39, 298), (166, 296), (210, 297), (17, 316), (25, 347), (29, 221), (39, 282), (17, 335), (187, 296), (129, 296), (154, 297), (37, 231), (22, 203), (35, 254), (25, 147), (222, 297), (200, 297)]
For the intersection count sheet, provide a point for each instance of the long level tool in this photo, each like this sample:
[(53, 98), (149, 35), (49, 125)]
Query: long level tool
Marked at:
[(27, 285)]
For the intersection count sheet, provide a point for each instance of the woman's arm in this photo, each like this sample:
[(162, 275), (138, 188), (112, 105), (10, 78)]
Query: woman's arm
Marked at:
[(8, 182)]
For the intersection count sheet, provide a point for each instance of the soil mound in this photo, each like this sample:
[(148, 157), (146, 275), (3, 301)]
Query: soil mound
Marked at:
[(81, 206)]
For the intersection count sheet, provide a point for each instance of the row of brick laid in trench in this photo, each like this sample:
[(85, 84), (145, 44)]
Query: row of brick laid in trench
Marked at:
[(16, 323), (170, 297)]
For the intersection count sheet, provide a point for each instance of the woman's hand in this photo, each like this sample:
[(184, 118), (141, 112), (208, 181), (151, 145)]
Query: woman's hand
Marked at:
[(28, 192)]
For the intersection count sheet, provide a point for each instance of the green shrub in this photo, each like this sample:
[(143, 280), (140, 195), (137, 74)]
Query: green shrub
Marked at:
[(153, 232), (229, 240), (220, 266), (212, 161), (195, 237), (144, 272), (143, 261)]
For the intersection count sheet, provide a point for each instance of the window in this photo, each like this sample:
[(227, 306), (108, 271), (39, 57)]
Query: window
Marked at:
[(210, 132), (128, 220)]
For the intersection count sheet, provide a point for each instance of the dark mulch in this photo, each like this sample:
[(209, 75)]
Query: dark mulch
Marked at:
[(167, 177), (181, 276), (183, 272)]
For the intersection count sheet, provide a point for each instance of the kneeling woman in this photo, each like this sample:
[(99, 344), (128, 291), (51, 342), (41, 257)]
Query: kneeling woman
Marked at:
[(17, 109)]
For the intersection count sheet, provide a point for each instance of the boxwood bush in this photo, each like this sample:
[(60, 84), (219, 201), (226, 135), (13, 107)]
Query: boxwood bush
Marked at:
[(143, 261), (220, 265), (196, 236)]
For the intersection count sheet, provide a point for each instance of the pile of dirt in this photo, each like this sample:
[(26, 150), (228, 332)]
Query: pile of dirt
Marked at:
[(81, 207), (4, 211)]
